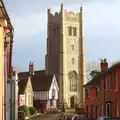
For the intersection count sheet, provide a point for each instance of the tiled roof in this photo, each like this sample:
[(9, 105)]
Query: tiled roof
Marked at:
[(22, 85), (93, 82), (41, 81)]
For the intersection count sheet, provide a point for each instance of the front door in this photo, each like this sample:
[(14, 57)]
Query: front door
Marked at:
[(72, 102), (108, 109)]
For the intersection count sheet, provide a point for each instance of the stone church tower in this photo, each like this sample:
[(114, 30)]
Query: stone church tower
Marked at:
[(65, 55)]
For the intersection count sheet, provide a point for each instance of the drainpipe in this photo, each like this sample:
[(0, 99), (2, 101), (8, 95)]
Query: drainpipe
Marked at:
[(13, 98)]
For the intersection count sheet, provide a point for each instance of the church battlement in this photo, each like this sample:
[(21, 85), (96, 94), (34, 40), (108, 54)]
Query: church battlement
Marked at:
[(68, 16)]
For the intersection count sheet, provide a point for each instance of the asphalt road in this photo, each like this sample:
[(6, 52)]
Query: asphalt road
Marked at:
[(46, 117)]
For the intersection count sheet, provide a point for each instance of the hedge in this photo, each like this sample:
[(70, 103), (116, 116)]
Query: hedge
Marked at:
[(32, 110), (25, 109)]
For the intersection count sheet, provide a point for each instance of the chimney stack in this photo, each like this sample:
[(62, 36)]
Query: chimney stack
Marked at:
[(104, 65), (31, 68)]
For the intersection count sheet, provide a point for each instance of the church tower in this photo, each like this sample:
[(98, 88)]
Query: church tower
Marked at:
[(65, 55)]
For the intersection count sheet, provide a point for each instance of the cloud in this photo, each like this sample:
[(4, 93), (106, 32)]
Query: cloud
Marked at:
[(101, 27)]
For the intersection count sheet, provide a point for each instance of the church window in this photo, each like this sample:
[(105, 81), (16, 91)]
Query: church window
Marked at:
[(74, 31), (73, 61), (72, 47), (73, 81), (70, 31)]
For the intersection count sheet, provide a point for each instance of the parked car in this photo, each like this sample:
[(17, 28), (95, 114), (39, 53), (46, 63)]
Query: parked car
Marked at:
[(65, 117), (79, 117), (115, 118)]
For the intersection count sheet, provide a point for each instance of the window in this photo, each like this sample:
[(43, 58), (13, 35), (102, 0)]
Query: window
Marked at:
[(29, 99), (110, 82), (53, 93), (97, 111), (87, 111), (116, 81), (105, 84), (51, 102), (73, 47), (70, 31), (117, 108), (58, 30), (73, 81), (102, 110), (73, 61), (74, 31), (55, 31), (87, 92), (93, 110), (97, 92), (102, 82)]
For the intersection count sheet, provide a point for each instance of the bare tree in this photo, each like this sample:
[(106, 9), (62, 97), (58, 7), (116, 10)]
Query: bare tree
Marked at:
[(92, 66)]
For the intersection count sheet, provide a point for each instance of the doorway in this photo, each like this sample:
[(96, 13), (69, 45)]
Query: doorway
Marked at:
[(108, 109), (72, 101)]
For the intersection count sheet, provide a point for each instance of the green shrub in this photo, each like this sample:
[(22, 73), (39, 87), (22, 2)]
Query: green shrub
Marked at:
[(25, 109), (32, 110)]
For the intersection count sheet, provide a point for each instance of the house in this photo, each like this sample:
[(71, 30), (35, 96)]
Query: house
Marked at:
[(45, 89), (92, 98), (6, 45), (109, 90), (103, 92), (25, 92)]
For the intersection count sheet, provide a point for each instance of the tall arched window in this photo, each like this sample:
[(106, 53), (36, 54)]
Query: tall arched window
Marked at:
[(73, 81), (73, 61), (70, 31), (74, 31)]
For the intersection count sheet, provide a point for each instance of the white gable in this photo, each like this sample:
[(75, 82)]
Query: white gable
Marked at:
[(54, 86)]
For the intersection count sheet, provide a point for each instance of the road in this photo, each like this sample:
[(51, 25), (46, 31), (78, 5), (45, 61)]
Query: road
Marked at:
[(50, 116), (46, 117)]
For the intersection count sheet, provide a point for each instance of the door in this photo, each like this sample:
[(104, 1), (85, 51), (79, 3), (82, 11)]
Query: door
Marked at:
[(108, 109), (72, 102)]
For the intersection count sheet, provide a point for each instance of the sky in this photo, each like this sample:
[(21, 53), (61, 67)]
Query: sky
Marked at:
[(29, 19)]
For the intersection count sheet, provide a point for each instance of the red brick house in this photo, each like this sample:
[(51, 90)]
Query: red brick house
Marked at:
[(92, 98), (109, 90), (102, 96)]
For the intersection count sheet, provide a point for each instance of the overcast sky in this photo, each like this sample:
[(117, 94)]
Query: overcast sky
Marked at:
[(29, 18)]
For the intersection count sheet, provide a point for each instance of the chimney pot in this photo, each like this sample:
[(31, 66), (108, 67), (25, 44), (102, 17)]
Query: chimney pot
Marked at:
[(104, 64), (31, 68)]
